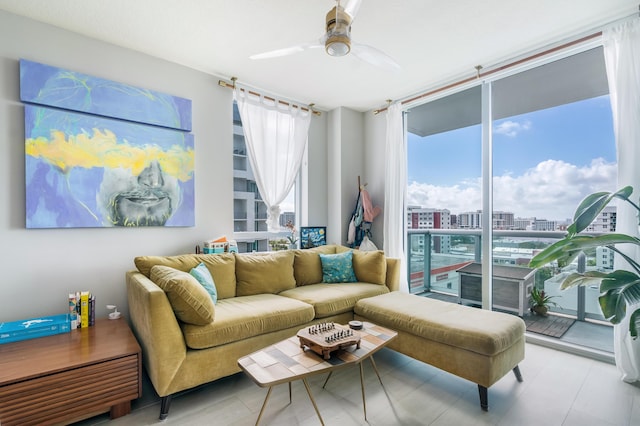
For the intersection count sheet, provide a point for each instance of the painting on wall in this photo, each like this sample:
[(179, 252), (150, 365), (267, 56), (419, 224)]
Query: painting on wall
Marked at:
[(313, 236), (86, 166), (88, 171), (57, 87)]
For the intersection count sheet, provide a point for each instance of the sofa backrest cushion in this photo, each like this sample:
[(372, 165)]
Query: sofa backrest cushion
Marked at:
[(221, 266), (188, 298), (370, 266), (307, 268), (264, 273)]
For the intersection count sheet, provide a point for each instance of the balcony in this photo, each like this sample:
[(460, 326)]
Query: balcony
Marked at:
[(575, 325)]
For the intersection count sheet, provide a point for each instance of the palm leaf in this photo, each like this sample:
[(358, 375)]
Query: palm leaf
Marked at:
[(565, 251), (592, 205), (586, 278)]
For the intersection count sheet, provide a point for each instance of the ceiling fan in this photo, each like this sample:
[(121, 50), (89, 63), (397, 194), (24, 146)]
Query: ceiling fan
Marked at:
[(337, 40)]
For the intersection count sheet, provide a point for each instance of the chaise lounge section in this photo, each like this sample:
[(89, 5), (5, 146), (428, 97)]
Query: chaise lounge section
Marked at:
[(475, 344)]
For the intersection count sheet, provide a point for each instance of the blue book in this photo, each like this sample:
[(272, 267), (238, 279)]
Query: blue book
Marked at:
[(34, 327)]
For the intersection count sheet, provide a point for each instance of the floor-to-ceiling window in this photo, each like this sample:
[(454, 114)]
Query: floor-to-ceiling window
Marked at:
[(552, 144), (444, 150)]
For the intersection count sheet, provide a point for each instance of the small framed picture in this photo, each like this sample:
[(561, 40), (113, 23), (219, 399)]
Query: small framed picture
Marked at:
[(313, 236)]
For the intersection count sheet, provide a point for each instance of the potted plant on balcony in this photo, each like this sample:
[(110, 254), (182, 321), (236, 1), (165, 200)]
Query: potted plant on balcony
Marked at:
[(618, 289), (540, 302)]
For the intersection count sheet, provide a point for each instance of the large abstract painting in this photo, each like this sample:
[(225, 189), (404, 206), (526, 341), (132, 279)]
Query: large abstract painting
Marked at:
[(57, 87), (88, 170)]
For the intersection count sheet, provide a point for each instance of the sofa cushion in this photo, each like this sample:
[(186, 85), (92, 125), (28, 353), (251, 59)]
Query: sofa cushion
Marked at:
[(259, 273), (202, 274), (332, 299), (223, 270), (189, 300), (221, 266), (307, 268), (338, 268), (247, 316), (370, 266)]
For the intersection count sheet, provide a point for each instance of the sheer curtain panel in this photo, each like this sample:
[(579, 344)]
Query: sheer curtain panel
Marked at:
[(622, 60), (276, 136), (395, 188)]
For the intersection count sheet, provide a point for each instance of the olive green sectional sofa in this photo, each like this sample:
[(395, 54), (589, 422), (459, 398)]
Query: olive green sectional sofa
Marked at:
[(187, 339)]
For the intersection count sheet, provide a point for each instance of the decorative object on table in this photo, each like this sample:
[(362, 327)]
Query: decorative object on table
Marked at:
[(313, 236), (99, 153), (115, 314), (540, 301), (218, 245), (327, 337), (356, 325), (361, 218), (35, 327), (291, 238)]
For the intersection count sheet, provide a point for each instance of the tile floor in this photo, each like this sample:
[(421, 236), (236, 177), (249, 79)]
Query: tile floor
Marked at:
[(558, 389)]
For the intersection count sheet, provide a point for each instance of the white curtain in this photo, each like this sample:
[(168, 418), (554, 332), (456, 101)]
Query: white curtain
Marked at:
[(395, 189), (276, 137), (622, 59)]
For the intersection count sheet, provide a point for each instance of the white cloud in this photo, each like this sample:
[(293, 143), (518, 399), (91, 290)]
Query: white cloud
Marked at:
[(511, 128), (551, 190)]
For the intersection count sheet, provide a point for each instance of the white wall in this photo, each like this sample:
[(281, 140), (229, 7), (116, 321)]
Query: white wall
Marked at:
[(40, 267), (375, 133), (347, 153)]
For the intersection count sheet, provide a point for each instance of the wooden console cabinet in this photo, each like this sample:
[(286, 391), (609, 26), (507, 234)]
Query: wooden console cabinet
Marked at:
[(69, 377)]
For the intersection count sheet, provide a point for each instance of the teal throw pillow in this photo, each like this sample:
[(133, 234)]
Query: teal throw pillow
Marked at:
[(202, 274), (338, 268)]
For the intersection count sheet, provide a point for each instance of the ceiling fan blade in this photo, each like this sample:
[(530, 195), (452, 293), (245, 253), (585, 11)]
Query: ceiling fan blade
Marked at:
[(352, 7), (287, 50), (374, 56)]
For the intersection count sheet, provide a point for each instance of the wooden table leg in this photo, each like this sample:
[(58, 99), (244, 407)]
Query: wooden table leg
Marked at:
[(264, 404), (306, 385), (375, 368), (364, 403)]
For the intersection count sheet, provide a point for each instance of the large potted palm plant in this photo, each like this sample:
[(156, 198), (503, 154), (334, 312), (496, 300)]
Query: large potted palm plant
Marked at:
[(618, 289)]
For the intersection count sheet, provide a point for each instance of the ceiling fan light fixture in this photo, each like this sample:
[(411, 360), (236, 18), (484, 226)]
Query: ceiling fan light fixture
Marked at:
[(338, 45), (338, 32)]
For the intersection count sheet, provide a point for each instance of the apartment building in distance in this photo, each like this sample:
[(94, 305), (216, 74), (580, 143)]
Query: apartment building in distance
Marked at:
[(429, 218)]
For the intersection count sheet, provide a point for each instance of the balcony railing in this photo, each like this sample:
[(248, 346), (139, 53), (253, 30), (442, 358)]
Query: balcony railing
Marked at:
[(435, 255)]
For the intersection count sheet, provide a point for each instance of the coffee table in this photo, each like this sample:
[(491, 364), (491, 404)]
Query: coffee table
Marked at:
[(286, 361)]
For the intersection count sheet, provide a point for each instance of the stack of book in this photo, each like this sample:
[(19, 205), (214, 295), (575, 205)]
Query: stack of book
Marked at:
[(82, 309)]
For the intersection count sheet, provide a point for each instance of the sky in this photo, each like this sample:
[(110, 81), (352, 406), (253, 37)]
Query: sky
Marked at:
[(545, 162)]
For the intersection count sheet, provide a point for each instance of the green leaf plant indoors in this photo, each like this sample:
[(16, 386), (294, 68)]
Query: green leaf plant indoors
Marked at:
[(618, 289)]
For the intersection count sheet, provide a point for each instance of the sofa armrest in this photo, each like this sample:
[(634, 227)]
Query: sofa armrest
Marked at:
[(157, 330), (393, 274)]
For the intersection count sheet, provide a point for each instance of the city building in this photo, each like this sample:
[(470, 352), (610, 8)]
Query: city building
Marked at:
[(605, 222)]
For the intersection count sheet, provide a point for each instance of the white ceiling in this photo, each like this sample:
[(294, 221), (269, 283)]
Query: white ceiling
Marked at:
[(434, 41)]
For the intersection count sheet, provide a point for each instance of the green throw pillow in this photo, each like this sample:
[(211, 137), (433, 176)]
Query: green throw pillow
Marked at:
[(338, 268), (202, 274)]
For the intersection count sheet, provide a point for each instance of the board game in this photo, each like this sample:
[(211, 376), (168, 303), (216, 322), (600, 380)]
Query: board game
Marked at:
[(327, 337)]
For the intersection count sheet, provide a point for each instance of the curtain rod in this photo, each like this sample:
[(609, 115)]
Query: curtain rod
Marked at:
[(232, 85), (480, 75), (507, 66)]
